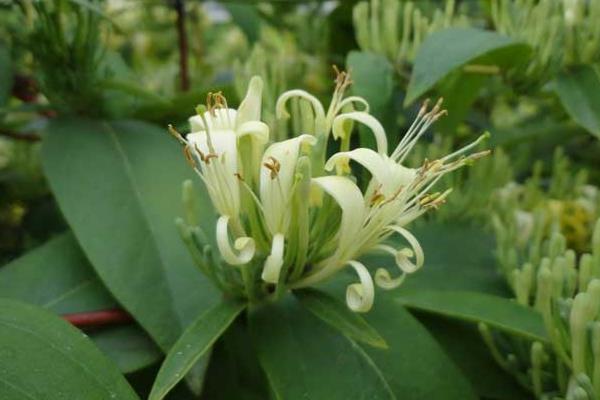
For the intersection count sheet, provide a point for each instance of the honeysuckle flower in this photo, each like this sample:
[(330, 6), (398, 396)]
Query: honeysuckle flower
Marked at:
[(289, 217)]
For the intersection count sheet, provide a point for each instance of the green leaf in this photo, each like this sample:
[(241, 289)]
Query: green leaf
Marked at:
[(58, 277), (234, 371), (128, 346), (304, 358), (337, 314), (579, 93), (463, 343), (193, 344), (373, 79), (448, 49), (447, 265), (6, 74), (247, 18), (55, 276), (131, 172), (44, 357), (415, 366), (459, 91), (503, 314)]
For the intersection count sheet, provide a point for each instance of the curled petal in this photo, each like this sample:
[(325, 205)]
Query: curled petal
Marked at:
[(360, 296), (349, 101), (350, 199), (256, 129), (281, 112), (402, 256), (383, 169), (274, 261), (366, 119), (383, 278), (244, 245)]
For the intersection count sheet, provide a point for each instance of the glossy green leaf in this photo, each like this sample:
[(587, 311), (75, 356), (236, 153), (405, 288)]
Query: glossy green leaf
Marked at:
[(373, 79), (193, 344), (44, 357), (498, 312), (448, 266), (131, 172), (579, 93), (234, 371), (56, 276), (448, 49), (415, 366), (339, 316), (463, 344), (304, 358), (128, 346), (6, 75)]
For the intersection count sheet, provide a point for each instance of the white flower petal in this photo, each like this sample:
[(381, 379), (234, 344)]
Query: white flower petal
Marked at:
[(250, 107), (274, 262), (256, 129), (366, 119), (281, 112), (244, 245), (402, 256), (276, 187), (350, 199), (360, 296), (223, 118)]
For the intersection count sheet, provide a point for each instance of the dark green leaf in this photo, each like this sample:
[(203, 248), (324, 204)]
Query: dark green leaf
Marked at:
[(304, 358), (503, 314), (55, 276), (234, 371), (131, 172), (459, 91), (339, 316), (448, 49), (193, 344), (128, 346), (579, 93), (44, 357), (415, 366), (463, 343), (247, 18), (372, 79)]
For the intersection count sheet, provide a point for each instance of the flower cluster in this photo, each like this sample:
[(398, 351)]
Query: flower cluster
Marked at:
[(289, 217)]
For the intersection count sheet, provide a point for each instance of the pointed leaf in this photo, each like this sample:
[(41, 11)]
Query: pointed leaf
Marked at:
[(131, 173), (193, 344), (579, 93), (448, 49), (463, 343), (44, 357), (339, 316), (503, 314), (128, 346), (55, 276), (305, 358), (58, 277)]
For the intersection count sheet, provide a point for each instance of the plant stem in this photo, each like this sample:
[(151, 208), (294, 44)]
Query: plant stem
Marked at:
[(183, 45), (98, 318)]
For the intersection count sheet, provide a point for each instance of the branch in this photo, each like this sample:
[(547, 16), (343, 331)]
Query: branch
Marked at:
[(27, 137), (182, 38), (98, 318)]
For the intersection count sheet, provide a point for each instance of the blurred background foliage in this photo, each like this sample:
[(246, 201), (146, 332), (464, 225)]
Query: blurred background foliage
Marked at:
[(524, 70)]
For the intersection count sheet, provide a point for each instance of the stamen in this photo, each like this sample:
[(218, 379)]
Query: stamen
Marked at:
[(274, 166), (176, 134), (188, 156)]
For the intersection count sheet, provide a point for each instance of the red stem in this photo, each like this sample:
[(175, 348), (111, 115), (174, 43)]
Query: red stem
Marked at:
[(98, 318)]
